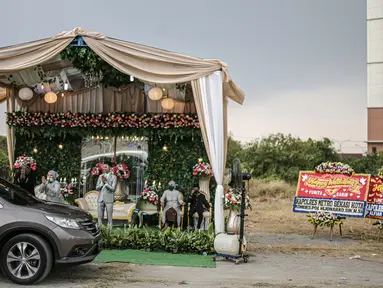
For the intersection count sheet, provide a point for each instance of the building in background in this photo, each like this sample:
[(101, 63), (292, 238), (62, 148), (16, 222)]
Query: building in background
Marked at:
[(375, 75)]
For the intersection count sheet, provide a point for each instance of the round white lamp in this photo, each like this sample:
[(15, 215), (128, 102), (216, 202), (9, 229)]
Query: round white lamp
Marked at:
[(50, 97), (167, 103), (25, 94), (155, 93)]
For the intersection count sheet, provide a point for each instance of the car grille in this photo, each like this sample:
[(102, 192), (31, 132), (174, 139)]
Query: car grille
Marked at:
[(91, 227)]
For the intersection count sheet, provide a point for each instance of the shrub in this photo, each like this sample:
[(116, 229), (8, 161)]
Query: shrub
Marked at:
[(271, 189), (149, 239)]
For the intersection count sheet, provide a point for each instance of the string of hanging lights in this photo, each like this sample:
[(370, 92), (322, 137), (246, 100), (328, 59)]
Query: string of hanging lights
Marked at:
[(49, 90)]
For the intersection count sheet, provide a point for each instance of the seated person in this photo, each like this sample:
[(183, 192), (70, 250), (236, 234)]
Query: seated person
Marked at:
[(171, 202), (199, 204)]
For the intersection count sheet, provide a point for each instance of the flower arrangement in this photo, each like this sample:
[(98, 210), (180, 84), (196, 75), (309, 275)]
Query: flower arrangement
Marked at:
[(66, 190), (150, 195), (325, 219), (233, 200), (24, 161), (111, 120), (379, 223), (202, 169), (121, 170), (97, 170), (334, 168)]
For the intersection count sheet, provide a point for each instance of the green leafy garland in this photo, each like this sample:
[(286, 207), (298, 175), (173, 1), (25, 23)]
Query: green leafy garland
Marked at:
[(89, 63)]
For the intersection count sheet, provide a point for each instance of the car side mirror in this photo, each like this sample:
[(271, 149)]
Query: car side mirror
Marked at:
[(1, 206)]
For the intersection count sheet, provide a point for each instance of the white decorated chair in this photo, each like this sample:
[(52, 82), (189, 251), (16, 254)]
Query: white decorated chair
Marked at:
[(148, 209), (121, 211)]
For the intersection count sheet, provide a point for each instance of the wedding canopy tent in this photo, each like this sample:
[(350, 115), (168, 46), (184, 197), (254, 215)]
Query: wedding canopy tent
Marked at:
[(210, 81)]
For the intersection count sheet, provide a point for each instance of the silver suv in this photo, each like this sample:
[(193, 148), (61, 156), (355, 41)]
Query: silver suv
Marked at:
[(35, 235)]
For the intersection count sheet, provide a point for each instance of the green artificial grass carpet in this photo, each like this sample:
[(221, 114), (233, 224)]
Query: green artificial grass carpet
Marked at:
[(155, 258)]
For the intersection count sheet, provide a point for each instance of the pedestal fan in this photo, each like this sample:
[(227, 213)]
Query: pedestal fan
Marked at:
[(233, 246)]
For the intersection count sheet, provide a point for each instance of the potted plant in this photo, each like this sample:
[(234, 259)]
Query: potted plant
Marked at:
[(66, 190), (149, 199), (232, 203)]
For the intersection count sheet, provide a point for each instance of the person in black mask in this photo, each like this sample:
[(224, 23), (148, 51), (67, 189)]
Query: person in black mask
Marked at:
[(25, 177), (198, 204)]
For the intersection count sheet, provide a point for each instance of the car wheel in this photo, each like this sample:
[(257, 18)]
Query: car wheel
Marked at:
[(26, 259)]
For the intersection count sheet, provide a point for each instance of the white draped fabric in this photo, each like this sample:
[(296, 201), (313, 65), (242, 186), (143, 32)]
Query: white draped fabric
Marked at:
[(213, 113)]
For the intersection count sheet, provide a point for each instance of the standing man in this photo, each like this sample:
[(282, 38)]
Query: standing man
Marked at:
[(106, 185)]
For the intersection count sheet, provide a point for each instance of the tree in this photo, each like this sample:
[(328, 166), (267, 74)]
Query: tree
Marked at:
[(283, 156), (234, 150), (369, 164)]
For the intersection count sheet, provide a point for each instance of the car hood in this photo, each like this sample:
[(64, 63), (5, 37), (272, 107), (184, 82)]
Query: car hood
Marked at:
[(62, 210)]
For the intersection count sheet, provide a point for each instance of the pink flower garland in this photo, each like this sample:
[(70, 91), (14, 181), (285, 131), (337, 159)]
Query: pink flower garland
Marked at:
[(111, 120)]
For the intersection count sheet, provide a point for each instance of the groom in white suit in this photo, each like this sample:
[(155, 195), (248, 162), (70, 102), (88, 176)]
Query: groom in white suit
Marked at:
[(106, 185)]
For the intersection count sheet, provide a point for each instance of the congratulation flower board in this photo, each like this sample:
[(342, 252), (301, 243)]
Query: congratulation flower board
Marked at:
[(342, 194), (374, 208)]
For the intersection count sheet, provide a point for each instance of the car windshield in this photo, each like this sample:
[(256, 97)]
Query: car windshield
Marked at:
[(16, 195)]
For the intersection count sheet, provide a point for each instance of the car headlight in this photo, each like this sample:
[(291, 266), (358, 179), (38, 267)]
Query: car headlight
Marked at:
[(63, 222)]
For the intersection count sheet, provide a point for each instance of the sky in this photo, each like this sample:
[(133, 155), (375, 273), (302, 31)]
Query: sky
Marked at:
[(301, 63)]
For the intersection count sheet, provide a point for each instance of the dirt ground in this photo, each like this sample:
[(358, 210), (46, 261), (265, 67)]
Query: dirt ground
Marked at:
[(272, 226), (283, 255), (263, 270)]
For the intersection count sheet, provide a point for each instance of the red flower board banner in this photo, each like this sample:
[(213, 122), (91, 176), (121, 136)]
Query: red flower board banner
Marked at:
[(332, 193), (374, 207)]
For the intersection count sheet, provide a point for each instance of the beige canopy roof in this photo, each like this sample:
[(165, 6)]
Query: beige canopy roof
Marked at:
[(143, 62)]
